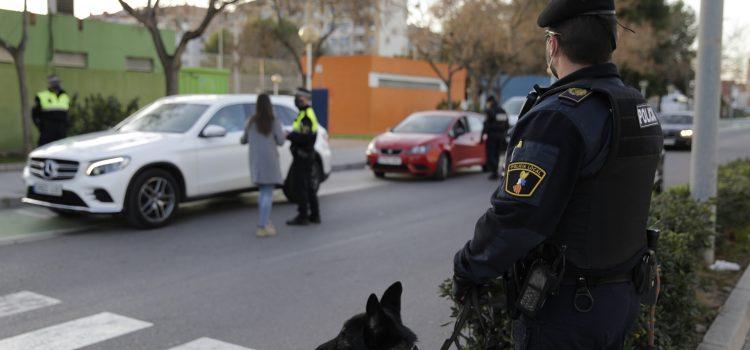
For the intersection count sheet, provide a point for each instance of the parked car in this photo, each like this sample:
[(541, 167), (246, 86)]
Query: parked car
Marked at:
[(177, 149), (677, 128), (430, 143), (512, 109)]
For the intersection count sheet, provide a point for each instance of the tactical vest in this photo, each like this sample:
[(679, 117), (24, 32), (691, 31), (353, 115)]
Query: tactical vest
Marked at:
[(297, 125), (604, 223), (50, 101)]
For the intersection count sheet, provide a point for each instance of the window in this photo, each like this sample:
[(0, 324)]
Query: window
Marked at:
[(232, 118), (460, 127), (476, 124), (285, 114), (164, 117), (70, 59), (139, 64)]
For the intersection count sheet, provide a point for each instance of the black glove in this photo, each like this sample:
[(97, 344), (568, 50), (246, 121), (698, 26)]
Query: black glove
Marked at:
[(461, 289)]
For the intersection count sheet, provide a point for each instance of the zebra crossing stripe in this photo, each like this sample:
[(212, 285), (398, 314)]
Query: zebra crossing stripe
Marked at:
[(75, 334), (23, 301), (208, 344)]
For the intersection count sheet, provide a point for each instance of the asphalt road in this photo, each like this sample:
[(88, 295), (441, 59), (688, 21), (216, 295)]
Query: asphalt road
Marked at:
[(207, 276)]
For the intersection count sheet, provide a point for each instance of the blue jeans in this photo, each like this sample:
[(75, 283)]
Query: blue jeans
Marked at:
[(265, 202)]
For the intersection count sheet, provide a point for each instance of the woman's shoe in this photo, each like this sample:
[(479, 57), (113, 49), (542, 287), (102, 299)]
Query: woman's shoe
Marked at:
[(270, 229), (262, 232)]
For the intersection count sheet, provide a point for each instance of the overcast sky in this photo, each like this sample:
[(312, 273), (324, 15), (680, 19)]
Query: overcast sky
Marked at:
[(735, 11)]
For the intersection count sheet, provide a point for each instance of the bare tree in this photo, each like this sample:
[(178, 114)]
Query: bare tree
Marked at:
[(435, 49), (148, 17), (17, 52), (289, 14)]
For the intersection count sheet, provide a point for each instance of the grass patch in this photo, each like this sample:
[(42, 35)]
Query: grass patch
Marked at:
[(353, 136)]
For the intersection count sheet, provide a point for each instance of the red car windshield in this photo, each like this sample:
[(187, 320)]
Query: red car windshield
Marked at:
[(424, 124)]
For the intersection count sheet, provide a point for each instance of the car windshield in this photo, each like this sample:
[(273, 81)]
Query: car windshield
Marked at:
[(677, 119), (164, 117), (514, 105), (424, 124)]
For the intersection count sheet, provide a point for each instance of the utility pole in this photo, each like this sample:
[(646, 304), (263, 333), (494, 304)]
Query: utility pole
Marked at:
[(703, 163)]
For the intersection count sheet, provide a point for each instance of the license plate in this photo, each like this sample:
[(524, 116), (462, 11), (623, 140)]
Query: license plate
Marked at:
[(669, 142), (389, 160), (48, 189)]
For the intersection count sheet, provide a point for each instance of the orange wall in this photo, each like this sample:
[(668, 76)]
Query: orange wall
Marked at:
[(355, 108)]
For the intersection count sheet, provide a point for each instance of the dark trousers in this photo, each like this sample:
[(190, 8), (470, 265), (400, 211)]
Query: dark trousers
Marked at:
[(51, 131), (493, 146), (560, 326), (307, 196)]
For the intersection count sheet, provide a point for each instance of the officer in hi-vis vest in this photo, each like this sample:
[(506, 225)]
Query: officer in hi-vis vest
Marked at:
[(303, 136), (50, 113), (567, 224)]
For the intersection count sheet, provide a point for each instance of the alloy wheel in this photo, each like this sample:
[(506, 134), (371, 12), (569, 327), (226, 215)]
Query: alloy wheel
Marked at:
[(156, 200)]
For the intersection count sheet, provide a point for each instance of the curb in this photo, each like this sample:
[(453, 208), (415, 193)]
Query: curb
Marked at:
[(23, 238), (730, 328), (7, 167)]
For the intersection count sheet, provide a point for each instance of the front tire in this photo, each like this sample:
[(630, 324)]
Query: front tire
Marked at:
[(152, 199), (443, 168), (379, 174)]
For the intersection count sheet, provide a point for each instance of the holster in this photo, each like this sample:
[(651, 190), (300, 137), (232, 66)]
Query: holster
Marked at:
[(534, 279), (645, 273)]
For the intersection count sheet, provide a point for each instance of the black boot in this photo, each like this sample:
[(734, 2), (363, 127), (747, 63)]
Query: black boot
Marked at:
[(494, 176), (299, 220), (315, 219)]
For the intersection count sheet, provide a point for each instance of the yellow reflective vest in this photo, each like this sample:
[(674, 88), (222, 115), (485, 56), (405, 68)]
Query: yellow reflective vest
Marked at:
[(297, 125), (50, 101)]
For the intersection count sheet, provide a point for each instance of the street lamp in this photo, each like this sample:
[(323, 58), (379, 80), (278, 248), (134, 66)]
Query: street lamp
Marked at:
[(309, 36), (276, 80)]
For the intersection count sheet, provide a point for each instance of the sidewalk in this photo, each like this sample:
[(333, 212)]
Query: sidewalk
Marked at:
[(346, 154)]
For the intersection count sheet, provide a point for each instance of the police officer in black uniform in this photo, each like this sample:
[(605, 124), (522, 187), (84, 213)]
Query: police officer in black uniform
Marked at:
[(495, 131), (578, 178), (50, 112), (303, 136)]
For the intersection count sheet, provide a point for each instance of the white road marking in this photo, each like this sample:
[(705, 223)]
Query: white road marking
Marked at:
[(208, 344), (17, 303), (75, 334)]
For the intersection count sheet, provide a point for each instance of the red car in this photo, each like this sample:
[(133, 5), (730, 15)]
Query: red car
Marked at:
[(429, 143)]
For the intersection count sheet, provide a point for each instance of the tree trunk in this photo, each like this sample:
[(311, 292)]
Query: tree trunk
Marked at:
[(25, 108), (448, 97), (172, 78)]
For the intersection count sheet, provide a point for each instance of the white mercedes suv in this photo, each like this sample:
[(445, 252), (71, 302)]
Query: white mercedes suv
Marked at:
[(177, 149)]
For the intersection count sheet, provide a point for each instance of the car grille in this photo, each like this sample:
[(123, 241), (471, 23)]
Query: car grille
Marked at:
[(67, 198), (390, 151), (53, 169), (669, 133)]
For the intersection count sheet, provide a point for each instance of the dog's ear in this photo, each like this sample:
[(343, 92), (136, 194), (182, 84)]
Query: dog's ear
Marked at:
[(373, 306), (391, 299)]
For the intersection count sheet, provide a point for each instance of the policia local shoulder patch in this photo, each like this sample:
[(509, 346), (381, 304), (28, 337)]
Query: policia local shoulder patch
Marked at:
[(523, 178)]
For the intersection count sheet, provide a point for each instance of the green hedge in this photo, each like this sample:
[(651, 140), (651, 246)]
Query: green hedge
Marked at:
[(686, 230), (97, 113)]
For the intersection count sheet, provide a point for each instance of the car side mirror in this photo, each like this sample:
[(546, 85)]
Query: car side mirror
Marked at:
[(214, 131)]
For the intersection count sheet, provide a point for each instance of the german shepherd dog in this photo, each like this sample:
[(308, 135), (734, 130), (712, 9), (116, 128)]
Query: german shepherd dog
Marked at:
[(379, 328)]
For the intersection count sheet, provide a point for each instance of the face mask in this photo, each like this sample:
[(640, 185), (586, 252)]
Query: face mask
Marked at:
[(550, 67)]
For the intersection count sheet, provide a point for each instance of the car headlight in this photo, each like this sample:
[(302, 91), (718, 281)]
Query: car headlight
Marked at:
[(686, 133), (371, 148), (106, 166), (421, 149)]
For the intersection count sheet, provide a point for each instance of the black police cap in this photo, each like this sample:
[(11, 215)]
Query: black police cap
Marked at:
[(560, 10)]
